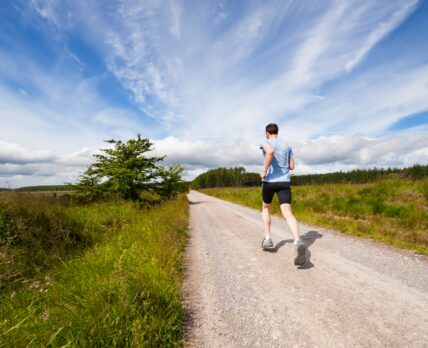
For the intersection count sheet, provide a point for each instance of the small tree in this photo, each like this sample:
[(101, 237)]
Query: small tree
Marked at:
[(126, 170), (171, 182)]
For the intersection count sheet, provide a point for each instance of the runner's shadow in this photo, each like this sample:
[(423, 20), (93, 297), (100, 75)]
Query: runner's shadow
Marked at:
[(308, 239), (278, 246), (193, 203)]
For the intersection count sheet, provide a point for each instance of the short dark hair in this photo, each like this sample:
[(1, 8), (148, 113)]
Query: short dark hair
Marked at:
[(272, 128)]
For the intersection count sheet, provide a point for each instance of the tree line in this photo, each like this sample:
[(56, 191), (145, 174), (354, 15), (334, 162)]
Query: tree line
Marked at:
[(42, 188), (239, 177), (358, 176), (226, 177)]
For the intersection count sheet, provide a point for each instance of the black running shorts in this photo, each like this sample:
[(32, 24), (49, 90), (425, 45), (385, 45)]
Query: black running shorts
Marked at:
[(282, 189)]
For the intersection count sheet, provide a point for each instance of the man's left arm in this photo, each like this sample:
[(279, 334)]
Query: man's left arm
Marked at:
[(268, 159)]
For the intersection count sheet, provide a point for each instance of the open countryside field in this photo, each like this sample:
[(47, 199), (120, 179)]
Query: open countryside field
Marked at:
[(393, 211), (101, 274)]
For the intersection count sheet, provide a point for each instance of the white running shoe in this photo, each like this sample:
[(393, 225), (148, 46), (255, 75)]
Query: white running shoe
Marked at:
[(267, 243)]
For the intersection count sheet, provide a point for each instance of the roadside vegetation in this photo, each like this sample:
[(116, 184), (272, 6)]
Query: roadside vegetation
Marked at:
[(100, 266), (107, 274), (391, 210)]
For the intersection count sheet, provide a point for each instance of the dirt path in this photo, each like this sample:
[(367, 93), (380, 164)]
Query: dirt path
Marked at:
[(352, 293)]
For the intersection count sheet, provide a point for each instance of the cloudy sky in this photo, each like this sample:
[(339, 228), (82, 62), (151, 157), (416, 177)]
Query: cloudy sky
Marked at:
[(346, 81)]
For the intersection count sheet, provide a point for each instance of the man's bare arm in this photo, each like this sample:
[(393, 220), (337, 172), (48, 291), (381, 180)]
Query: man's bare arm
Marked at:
[(268, 159), (291, 162)]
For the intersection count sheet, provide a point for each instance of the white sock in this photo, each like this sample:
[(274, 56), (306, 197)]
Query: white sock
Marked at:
[(296, 241), (267, 237)]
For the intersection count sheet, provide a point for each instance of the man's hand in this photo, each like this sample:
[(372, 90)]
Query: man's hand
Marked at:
[(263, 174)]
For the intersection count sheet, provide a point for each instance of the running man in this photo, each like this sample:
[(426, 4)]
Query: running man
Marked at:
[(276, 179)]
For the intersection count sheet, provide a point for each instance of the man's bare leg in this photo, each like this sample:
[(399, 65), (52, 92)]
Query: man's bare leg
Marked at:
[(299, 247), (291, 220), (266, 218)]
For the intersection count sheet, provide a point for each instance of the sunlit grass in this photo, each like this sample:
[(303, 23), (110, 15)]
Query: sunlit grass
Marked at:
[(121, 288), (391, 210)]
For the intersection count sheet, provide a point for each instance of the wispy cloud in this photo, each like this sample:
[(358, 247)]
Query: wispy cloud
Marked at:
[(59, 109), (207, 76), (270, 60), (380, 31)]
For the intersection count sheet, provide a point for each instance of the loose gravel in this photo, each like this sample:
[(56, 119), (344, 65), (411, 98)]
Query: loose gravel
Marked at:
[(351, 293)]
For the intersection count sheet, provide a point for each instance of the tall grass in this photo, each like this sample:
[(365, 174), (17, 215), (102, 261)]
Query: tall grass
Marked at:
[(120, 287), (38, 231), (390, 210)]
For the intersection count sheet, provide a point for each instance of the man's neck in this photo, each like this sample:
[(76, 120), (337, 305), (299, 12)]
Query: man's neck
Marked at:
[(273, 136)]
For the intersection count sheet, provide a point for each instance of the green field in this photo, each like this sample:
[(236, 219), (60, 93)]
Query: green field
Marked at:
[(108, 274), (393, 211)]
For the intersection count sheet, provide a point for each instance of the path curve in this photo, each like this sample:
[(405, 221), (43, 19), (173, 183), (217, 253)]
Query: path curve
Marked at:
[(352, 293)]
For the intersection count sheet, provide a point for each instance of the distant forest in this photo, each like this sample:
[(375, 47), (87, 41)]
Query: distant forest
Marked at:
[(239, 177), (226, 177), (46, 188), (232, 177)]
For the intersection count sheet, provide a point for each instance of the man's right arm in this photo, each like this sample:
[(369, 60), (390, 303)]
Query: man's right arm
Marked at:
[(268, 159), (291, 163), (291, 160)]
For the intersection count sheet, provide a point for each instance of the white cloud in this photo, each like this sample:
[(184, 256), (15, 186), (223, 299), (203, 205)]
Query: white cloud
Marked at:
[(211, 78), (7, 169), (362, 151), (336, 152), (21, 166), (16, 154), (208, 153), (326, 153), (81, 158)]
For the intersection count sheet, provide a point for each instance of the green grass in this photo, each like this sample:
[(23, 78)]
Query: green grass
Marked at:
[(391, 211), (119, 285)]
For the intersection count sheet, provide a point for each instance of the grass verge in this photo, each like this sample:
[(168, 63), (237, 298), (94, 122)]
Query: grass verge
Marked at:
[(391, 211), (122, 290)]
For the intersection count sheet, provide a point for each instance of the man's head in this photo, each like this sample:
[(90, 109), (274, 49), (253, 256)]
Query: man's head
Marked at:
[(271, 131)]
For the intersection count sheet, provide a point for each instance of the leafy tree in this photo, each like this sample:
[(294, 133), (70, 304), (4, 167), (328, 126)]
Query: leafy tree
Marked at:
[(126, 169), (171, 182), (88, 188)]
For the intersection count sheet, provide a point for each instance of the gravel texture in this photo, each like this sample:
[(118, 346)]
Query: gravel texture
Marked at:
[(351, 293)]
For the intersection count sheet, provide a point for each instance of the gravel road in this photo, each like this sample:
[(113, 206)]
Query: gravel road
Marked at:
[(352, 293)]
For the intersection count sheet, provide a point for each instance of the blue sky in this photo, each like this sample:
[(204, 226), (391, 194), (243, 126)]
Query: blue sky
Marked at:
[(347, 82)]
